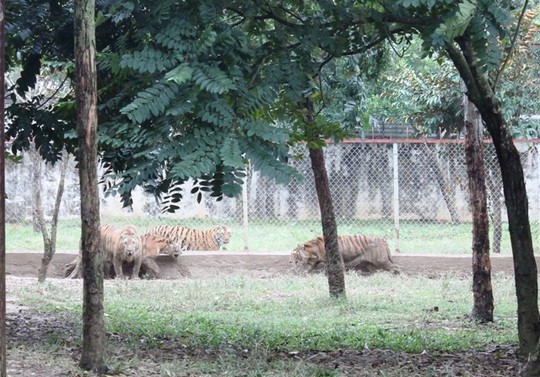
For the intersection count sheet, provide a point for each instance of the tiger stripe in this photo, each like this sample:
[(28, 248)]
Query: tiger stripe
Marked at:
[(194, 239), (120, 245), (358, 252)]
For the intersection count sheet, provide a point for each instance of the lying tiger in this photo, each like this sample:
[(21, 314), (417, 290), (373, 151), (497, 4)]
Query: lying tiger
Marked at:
[(364, 253), (152, 247), (119, 246), (194, 239)]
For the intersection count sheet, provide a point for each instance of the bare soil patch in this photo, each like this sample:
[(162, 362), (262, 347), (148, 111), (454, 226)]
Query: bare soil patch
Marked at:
[(211, 263), (28, 331)]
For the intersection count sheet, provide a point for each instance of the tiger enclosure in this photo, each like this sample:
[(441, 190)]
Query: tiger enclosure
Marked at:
[(401, 191), (267, 223), (270, 188)]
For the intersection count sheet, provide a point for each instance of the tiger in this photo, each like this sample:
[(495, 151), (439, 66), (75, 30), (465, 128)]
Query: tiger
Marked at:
[(194, 239), (152, 246), (359, 252), (119, 246)]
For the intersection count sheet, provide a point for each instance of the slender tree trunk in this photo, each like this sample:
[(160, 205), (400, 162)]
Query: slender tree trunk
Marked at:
[(93, 344), (481, 264), (3, 372), (38, 213), (444, 185), (49, 243), (335, 268), (494, 184), (515, 193)]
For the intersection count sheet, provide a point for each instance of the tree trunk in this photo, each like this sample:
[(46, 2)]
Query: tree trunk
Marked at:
[(93, 344), (3, 364), (38, 214), (50, 242), (335, 268), (444, 185), (532, 369), (481, 264), (515, 193), (494, 184), (526, 273)]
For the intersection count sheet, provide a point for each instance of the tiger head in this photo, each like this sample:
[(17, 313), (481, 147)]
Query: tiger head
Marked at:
[(296, 256), (174, 249), (222, 235), (154, 245), (298, 259), (130, 246), (305, 258)]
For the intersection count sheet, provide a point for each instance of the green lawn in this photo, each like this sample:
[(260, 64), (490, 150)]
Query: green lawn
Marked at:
[(224, 315), (273, 235)]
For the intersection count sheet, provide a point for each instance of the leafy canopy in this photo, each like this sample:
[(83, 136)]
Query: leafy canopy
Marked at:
[(183, 99), (196, 89)]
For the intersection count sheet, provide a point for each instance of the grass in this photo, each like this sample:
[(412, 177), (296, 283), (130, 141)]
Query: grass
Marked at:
[(274, 235), (222, 317), (294, 314)]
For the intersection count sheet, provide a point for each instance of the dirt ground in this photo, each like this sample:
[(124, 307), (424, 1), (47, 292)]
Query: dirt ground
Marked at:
[(25, 327), (210, 263)]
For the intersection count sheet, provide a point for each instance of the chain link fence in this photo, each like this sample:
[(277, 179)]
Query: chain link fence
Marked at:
[(413, 193)]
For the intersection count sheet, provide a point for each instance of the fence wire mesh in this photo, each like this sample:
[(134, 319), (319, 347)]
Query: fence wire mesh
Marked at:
[(414, 194)]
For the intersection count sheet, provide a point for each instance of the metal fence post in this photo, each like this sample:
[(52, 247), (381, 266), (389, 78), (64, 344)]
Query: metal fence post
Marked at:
[(396, 196), (245, 211)]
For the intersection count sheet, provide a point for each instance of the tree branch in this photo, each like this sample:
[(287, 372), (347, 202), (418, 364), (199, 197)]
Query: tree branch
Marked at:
[(463, 67), (512, 46)]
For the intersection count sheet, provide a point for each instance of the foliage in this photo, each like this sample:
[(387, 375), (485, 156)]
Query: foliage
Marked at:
[(419, 90), (205, 97), (519, 84), (37, 31), (192, 106), (195, 89), (343, 91), (34, 119), (39, 39), (425, 89)]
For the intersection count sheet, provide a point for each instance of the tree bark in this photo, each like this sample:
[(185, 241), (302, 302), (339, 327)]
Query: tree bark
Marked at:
[(481, 264), (494, 184), (444, 185), (93, 344), (335, 268), (49, 243), (532, 368), (38, 214), (515, 193), (3, 364)]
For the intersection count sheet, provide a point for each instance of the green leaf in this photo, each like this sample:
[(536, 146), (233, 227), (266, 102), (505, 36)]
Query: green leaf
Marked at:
[(231, 154), (213, 80), (455, 22), (179, 74), (150, 102)]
